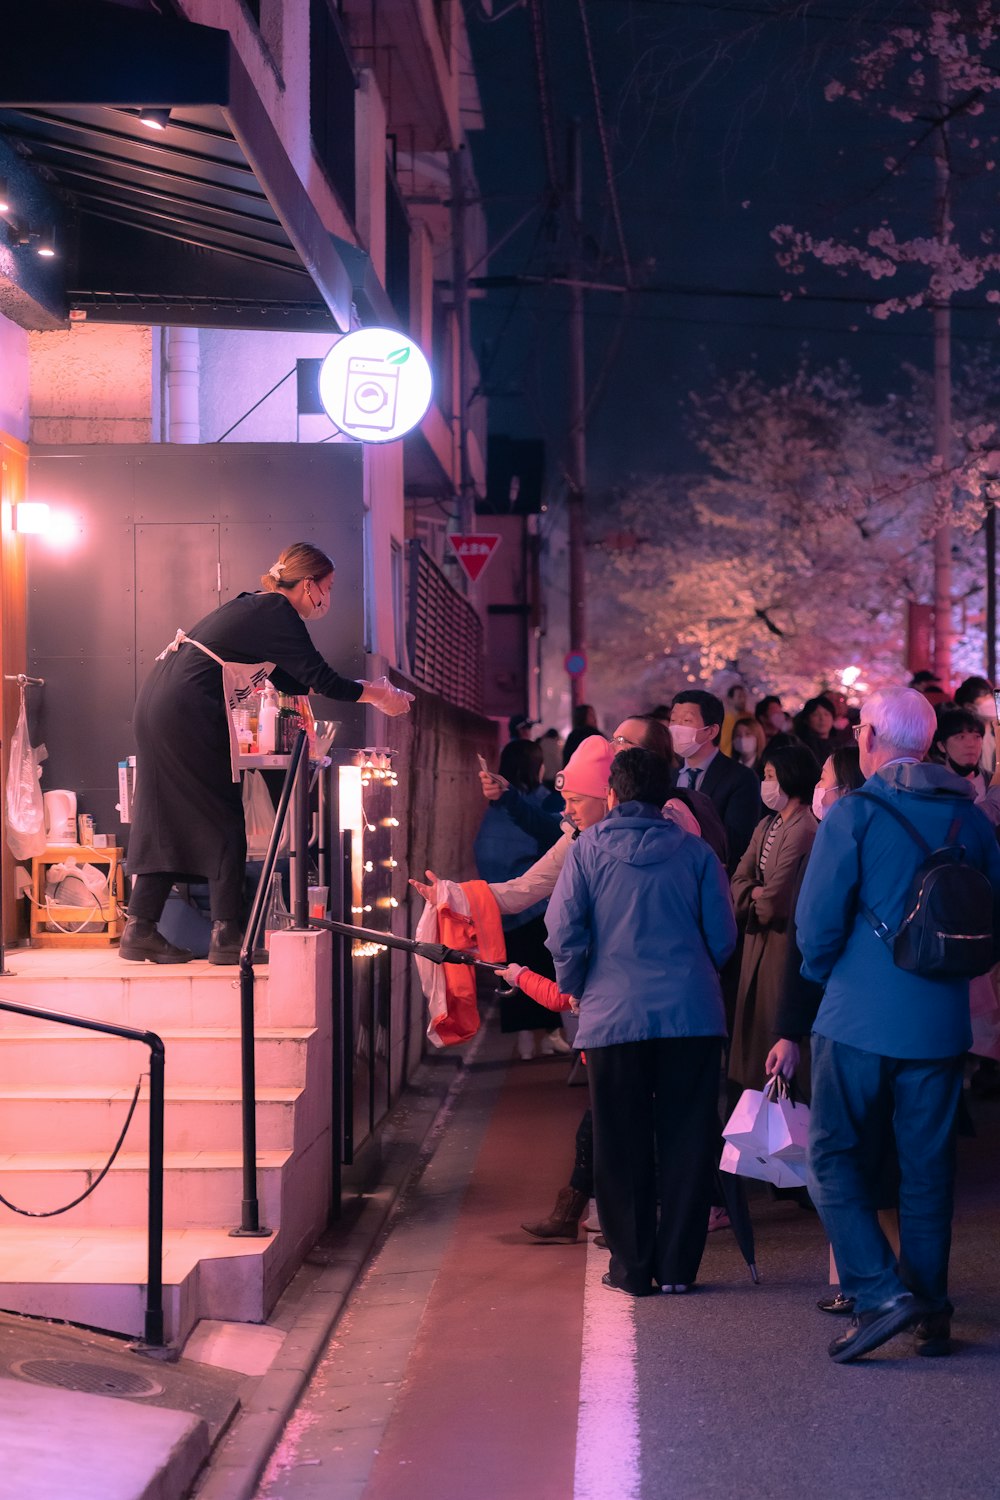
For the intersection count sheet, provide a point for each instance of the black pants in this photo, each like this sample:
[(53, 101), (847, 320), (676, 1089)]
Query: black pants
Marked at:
[(656, 1129), (150, 892), (582, 1180)]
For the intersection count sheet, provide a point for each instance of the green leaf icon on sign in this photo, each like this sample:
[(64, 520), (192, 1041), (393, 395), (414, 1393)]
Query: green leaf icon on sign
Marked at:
[(398, 356)]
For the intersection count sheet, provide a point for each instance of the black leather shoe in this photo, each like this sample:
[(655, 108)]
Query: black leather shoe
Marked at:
[(869, 1330), (933, 1336), (613, 1286), (839, 1304), (142, 943), (225, 944)]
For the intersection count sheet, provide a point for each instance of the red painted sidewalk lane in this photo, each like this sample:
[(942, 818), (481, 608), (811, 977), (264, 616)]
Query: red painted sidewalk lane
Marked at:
[(489, 1404)]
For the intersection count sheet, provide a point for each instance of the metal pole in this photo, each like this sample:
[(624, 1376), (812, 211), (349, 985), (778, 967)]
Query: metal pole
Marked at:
[(154, 1270), (460, 283), (990, 529), (577, 456), (347, 1006), (250, 1225), (300, 845)]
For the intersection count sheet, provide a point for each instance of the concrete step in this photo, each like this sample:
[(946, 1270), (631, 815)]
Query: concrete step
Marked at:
[(97, 1277), (195, 1056), (201, 1189), (89, 1117)]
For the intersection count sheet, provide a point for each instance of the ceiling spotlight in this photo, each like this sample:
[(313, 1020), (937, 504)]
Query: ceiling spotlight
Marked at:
[(46, 244), (4, 200), (155, 119)]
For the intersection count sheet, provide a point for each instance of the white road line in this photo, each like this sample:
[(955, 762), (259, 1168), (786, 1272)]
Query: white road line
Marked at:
[(607, 1434)]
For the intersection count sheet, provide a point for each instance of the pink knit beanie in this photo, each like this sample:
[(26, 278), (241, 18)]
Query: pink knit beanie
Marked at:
[(587, 770)]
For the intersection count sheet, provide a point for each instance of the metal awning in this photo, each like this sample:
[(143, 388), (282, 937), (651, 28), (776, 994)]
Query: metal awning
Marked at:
[(204, 221)]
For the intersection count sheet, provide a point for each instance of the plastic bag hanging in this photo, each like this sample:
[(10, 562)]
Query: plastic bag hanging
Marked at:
[(25, 812)]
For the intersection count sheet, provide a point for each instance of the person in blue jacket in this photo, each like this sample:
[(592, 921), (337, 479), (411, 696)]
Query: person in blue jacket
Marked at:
[(639, 924), (887, 1044)]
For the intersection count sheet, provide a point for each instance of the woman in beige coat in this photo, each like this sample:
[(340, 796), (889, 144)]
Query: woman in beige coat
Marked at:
[(763, 888)]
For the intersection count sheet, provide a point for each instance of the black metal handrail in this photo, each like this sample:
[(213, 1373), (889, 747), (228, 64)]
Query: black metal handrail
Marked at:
[(295, 791), (250, 1224), (153, 1322)]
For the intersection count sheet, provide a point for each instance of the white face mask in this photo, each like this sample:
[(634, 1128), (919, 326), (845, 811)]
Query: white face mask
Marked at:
[(685, 739), (772, 796), (745, 745), (819, 802), (986, 709)]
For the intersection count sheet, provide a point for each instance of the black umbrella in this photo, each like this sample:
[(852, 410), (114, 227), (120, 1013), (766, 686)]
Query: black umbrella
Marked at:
[(733, 1196)]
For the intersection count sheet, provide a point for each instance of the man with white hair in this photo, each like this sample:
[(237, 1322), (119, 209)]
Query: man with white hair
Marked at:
[(888, 1043)]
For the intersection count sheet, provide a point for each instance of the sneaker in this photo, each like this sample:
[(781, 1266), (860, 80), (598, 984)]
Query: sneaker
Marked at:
[(718, 1219), (553, 1044), (933, 1336), (870, 1330)]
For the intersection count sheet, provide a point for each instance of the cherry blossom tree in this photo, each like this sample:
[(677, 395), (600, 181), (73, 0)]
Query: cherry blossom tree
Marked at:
[(934, 79), (794, 556)]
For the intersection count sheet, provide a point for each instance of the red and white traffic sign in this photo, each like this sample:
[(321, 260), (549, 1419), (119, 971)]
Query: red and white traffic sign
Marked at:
[(474, 551)]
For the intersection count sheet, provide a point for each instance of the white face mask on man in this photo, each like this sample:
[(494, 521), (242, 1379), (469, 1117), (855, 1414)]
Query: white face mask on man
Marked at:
[(772, 796), (686, 739)]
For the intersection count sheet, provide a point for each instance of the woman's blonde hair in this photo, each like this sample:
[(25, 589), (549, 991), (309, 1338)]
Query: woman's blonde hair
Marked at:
[(300, 560)]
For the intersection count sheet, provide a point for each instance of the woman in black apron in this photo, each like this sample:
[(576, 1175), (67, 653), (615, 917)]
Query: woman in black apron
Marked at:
[(187, 821)]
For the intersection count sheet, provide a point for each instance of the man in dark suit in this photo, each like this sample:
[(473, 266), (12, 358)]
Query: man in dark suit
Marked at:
[(695, 724)]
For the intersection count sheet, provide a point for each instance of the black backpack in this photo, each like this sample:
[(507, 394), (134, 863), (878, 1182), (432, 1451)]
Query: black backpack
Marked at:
[(947, 927)]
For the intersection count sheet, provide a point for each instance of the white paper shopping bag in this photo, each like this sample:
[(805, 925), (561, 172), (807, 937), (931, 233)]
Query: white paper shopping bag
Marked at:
[(747, 1125)]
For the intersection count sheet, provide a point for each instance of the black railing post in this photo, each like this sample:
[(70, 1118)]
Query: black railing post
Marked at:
[(300, 846), (250, 1224), (154, 1212), (154, 1272)]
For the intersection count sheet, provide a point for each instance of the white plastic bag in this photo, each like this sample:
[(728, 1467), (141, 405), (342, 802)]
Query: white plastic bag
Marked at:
[(25, 813), (258, 813), (69, 886)]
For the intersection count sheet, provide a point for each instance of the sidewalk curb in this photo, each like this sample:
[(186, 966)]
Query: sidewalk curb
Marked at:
[(234, 1470)]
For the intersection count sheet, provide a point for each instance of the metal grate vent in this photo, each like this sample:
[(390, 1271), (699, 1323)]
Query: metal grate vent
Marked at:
[(77, 1375)]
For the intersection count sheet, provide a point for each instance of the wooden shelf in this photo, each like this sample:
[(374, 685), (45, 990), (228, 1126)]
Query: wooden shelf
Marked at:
[(40, 915)]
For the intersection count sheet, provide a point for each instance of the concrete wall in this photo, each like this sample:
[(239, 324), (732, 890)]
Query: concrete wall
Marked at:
[(13, 380), (92, 383)]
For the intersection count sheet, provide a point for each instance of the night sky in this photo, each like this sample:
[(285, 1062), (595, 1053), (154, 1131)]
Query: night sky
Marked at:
[(719, 130)]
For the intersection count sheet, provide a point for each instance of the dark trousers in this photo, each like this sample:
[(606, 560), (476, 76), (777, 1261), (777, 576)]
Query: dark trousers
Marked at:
[(150, 892), (861, 1104), (582, 1180), (656, 1130)]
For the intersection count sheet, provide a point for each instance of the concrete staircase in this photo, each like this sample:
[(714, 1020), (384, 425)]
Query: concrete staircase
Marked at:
[(64, 1096)]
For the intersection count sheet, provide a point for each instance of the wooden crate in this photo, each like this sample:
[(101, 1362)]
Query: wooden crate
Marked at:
[(57, 854)]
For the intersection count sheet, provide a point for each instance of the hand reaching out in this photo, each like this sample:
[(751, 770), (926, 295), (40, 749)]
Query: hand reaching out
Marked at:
[(430, 891), (493, 785)]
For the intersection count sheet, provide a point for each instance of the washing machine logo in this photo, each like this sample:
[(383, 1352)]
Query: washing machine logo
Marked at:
[(375, 384), (372, 390)]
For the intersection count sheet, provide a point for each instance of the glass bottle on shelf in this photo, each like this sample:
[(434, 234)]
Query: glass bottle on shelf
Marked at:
[(277, 917)]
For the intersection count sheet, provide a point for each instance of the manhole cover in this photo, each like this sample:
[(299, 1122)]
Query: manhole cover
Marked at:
[(77, 1375)]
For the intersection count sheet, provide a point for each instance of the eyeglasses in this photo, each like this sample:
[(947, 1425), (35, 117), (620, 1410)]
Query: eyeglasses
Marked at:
[(620, 742), (857, 728)]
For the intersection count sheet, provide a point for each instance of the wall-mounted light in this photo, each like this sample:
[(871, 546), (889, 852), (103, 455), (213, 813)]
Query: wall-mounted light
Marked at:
[(45, 243), (31, 517), (155, 119), (4, 197)]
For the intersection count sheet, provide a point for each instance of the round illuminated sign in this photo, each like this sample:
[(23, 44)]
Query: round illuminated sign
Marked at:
[(375, 385)]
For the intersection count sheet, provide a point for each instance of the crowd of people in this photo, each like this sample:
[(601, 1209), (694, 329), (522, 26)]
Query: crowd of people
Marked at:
[(718, 894)]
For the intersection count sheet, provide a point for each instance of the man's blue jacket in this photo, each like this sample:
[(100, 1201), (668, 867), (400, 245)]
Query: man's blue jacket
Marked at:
[(862, 855)]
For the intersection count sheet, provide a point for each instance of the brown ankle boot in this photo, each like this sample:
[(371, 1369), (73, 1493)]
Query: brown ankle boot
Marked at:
[(563, 1223)]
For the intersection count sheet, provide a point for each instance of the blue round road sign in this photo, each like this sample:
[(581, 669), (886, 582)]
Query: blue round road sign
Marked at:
[(576, 663)]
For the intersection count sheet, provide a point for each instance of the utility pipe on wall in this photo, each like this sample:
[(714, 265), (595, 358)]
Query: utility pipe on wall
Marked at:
[(183, 363)]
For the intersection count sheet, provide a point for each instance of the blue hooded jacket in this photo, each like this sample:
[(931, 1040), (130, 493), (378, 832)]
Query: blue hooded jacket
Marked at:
[(639, 924), (862, 854)]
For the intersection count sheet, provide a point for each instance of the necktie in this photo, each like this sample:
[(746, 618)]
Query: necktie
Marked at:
[(690, 775)]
